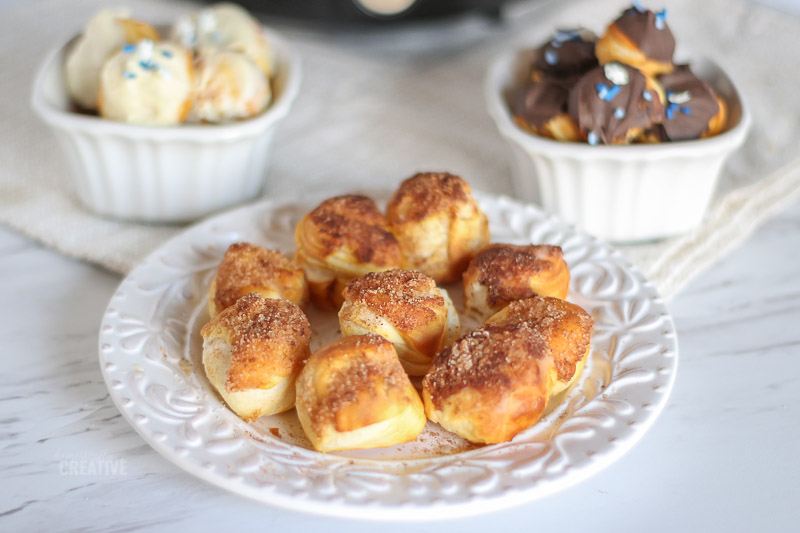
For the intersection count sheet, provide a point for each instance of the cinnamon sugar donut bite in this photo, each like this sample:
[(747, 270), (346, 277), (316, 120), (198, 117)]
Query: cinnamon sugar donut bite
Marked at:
[(406, 308), (247, 268), (503, 273), (491, 384), (343, 238), (252, 353), (353, 394), (639, 38), (566, 328), (438, 224)]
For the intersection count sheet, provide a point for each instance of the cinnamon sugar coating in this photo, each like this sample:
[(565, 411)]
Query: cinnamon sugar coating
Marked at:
[(403, 297), (566, 327), (438, 224), (249, 268), (269, 339), (511, 272), (354, 222)]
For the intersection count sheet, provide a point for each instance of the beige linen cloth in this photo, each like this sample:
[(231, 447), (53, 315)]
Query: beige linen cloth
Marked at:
[(376, 106)]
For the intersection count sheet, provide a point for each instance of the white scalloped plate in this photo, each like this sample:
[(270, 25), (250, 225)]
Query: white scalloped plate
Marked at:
[(151, 361)]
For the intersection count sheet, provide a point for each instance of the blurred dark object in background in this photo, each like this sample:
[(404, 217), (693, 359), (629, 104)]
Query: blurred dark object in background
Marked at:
[(371, 11)]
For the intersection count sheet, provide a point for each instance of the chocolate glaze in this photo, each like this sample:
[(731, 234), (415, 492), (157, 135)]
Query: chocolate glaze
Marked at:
[(597, 117), (566, 56), (640, 27), (687, 120), (538, 102)]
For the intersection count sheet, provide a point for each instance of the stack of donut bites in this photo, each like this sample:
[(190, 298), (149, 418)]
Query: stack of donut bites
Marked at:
[(381, 273), (622, 88), (215, 66)]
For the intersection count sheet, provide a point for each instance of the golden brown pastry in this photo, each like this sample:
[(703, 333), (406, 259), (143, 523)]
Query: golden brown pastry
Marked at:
[(406, 308), (438, 224), (503, 273), (639, 38), (252, 353), (566, 328), (353, 394), (491, 384), (247, 268), (343, 238)]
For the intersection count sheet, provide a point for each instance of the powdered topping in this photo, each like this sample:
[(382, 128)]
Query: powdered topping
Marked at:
[(506, 269), (487, 359), (246, 267), (268, 337), (354, 222)]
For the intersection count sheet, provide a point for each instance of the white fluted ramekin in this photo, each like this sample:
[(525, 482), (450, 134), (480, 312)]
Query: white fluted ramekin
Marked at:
[(619, 193), (164, 174)]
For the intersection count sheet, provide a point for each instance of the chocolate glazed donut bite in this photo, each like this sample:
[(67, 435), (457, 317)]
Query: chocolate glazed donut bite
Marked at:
[(693, 110), (541, 108), (565, 58), (640, 38), (614, 104)]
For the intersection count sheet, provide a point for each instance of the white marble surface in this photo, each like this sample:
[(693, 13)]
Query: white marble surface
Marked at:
[(721, 457)]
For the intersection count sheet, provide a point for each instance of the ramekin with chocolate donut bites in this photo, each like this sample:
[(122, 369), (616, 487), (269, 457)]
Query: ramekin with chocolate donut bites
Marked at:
[(626, 192), (160, 169)]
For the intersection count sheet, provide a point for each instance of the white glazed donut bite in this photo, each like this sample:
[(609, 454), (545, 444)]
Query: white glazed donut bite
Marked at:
[(148, 84)]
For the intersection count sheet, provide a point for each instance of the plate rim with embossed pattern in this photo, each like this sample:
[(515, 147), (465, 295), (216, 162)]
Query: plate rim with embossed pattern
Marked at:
[(633, 367)]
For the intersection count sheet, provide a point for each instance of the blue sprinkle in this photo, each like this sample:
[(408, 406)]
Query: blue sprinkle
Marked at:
[(685, 110), (148, 65), (661, 19), (619, 113), (551, 57), (602, 90), (166, 53), (128, 48), (555, 43), (671, 108), (647, 95), (638, 6), (129, 75), (592, 138), (612, 92)]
